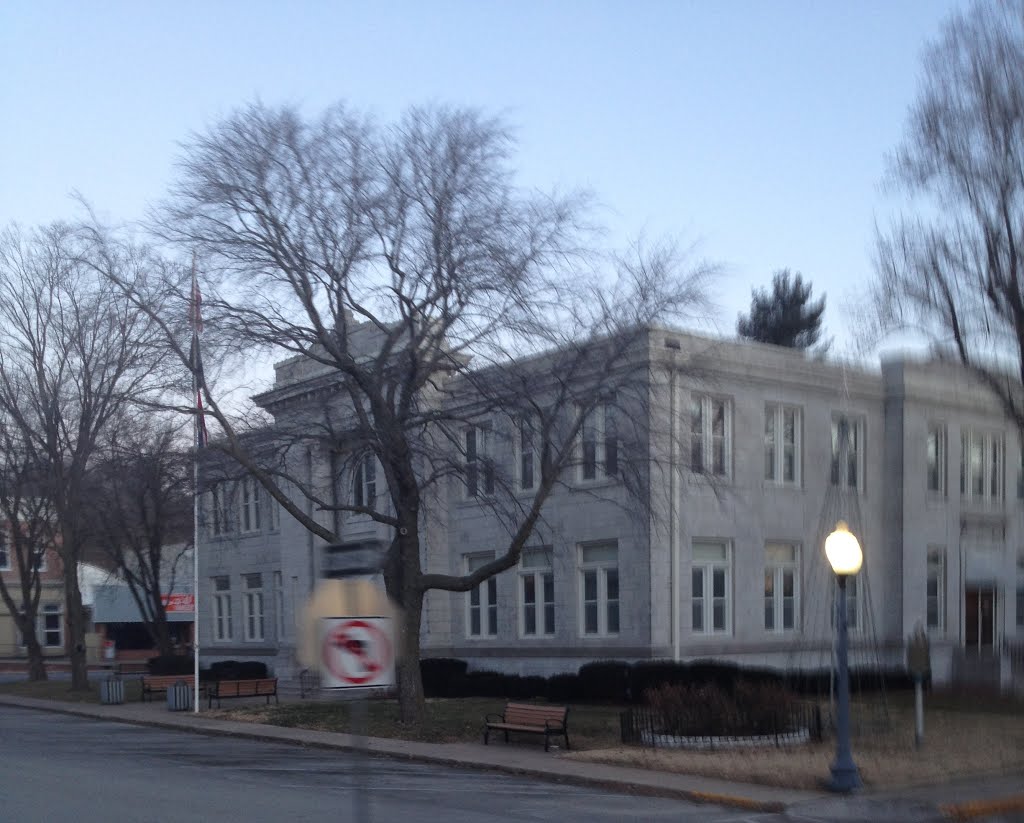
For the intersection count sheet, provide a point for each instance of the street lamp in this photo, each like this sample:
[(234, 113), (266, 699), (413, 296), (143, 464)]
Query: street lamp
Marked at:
[(845, 556)]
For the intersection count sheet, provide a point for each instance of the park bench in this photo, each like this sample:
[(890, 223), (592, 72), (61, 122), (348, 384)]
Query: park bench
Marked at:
[(530, 719), (258, 687), (153, 683)]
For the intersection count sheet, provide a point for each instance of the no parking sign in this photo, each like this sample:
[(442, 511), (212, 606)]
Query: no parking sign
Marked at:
[(357, 652)]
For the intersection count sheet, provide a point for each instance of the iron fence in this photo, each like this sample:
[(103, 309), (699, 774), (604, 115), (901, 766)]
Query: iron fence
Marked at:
[(701, 729)]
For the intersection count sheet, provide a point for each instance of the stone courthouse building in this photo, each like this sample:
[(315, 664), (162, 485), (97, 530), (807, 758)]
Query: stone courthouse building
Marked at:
[(699, 537)]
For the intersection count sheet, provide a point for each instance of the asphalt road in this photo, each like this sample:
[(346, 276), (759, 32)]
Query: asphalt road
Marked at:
[(60, 768)]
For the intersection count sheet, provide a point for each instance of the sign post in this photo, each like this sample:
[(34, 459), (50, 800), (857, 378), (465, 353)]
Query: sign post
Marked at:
[(349, 637)]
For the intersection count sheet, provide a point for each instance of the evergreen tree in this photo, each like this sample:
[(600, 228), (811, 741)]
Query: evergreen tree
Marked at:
[(786, 316)]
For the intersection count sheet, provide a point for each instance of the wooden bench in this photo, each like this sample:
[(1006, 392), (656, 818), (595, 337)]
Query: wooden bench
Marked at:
[(530, 719), (260, 687), (153, 683)]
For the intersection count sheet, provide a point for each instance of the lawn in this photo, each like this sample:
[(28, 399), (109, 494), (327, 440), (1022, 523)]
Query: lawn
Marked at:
[(61, 690), (445, 720)]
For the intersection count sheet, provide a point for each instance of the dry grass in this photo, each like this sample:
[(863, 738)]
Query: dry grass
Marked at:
[(957, 744)]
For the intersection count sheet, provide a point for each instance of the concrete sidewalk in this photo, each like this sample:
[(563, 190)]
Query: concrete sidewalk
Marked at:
[(979, 799)]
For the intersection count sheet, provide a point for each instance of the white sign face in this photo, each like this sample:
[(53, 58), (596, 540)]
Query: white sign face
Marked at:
[(357, 653)]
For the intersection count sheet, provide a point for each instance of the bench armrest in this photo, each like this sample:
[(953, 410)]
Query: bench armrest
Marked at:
[(554, 725), (494, 718)]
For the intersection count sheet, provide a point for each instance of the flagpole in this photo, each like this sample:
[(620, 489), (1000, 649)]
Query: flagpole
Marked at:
[(197, 442)]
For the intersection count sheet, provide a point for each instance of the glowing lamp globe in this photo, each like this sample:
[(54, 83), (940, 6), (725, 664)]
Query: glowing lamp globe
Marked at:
[(843, 550)]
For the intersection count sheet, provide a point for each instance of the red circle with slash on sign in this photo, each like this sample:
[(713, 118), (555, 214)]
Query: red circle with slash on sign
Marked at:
[(357, 652)]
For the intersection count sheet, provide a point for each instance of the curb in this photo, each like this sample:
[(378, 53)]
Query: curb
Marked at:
[(977, 809)]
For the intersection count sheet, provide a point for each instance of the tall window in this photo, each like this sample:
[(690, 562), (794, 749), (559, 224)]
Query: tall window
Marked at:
[(536, 593), (1020, 473), (712, 571), (251, 493), (935, 605), (220, 510), (364, 482), (936, 456), (1020, 592), (252, 606), (482, 606), (5, 558), (41, 560), (781, 587), (279, 604), (599, 588), (222, 628), (527, 462), (782, 444), (51, 626), (598, 445), (273, 514), (847, 451), (981, 466), (479, 474), (710, 435)]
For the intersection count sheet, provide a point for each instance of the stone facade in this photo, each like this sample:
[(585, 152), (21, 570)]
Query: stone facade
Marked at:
[(725, 562)]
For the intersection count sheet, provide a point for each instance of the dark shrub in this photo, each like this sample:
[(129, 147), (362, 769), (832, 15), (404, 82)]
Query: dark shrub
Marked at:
[(650, 674), (170, 664), (706, 710), (486, 684), (252, 670), (530, 687), (605, 681), (563, 688), (225, 670), (443, 676)]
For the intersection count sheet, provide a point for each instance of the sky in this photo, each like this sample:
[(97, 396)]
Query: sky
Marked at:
[(755, 131)]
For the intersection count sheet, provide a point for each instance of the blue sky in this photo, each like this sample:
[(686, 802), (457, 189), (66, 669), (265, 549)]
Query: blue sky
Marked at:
[(756, 129)]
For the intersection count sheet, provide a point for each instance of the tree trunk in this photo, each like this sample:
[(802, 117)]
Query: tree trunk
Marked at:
[(410, 680), (36, 660), (76, 628)]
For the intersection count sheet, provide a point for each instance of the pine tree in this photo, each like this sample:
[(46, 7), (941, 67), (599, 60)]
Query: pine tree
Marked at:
[(786, 316)]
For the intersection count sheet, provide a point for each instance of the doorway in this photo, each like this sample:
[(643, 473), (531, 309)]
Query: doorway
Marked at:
[(979, 619)]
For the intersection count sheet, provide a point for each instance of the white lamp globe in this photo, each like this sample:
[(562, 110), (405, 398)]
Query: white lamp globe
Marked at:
[(843, 550)]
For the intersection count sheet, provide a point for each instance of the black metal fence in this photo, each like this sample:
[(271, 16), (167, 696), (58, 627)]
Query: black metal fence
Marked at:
[(701, 729)]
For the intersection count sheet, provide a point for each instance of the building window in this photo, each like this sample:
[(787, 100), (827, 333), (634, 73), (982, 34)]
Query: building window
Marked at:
[(51, 626), (527, 462), (847, 452), (220, 510), (711, 588), (273, 514), (536, 593), (222, 628), (782, 444), (1020, 592), (710, 435), (852, 601), (5, 558), (598, 445), (279, 604), (252, 606), (599, 589), (479, 470), (981, 466), (483, 601), (1020, 474), (781, 587), (936, 459), (41, 560), (251, 492), (935, 605), (364, 482)]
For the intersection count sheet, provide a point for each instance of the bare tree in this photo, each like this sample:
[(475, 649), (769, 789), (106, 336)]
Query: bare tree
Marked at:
[(27, 530), (140, 512), (73, 352), (423, 291), (954, 271)]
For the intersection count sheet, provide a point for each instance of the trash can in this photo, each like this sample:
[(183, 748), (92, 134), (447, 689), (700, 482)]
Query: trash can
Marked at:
[(112, 691), (179, 697)]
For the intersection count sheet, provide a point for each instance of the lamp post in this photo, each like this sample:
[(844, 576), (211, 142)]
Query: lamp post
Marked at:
[(845, 556)]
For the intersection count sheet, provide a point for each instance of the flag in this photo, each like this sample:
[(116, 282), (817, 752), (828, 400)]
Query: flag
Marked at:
[(196, 320)]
